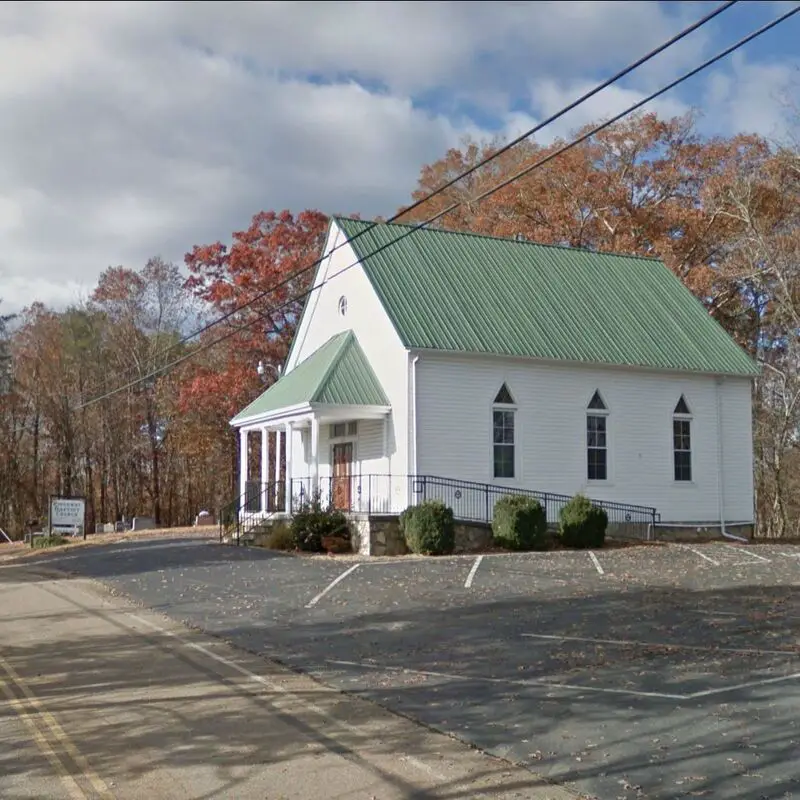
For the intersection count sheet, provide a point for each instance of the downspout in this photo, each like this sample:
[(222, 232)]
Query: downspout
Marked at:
[(413, 465), (721, 470)]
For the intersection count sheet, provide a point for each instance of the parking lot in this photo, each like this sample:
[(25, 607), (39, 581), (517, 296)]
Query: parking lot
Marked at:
[(651, 671)]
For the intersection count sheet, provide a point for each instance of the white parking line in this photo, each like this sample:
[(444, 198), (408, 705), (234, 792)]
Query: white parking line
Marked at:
[(330, 586), (596, 562), (530, 682), (472, 572), (749, 651), (749, 685), (747, 552), (570, 687), (699, 553)]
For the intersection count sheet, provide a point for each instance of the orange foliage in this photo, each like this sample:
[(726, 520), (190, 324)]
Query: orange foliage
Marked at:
[(638, 187), (271, 251)]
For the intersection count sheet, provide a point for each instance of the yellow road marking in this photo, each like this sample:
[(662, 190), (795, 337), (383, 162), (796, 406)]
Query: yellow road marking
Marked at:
[(97, 782), (75, 791)]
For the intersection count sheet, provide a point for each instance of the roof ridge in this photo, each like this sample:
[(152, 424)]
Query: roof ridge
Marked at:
[(511, 239), (347, 337)]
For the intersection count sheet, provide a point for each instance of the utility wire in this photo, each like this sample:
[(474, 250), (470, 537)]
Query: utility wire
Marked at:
[(482, 163), (482, 196)]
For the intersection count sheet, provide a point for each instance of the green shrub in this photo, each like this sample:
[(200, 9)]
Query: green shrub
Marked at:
[(428, 528), (520, 523), (49, 540), (281, 537), (582, 525), (314, 521)]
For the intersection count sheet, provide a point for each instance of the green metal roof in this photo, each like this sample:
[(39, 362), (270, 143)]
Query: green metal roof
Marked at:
[(338, 373), (447, 290)]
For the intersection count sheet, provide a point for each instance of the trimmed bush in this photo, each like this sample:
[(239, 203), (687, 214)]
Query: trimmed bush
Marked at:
[(313, 521), (281, 537), (520, 523), (582, 525), (428, 528)]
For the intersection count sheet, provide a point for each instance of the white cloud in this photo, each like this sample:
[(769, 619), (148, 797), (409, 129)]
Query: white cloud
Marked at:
[(135, 128), (755, 97), (550, 96)]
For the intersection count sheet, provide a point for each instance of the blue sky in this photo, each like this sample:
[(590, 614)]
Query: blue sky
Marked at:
[(134, 129)]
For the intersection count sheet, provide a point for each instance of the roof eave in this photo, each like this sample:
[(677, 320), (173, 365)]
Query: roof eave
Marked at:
[(270, 416), (348, 411), (470, 354)]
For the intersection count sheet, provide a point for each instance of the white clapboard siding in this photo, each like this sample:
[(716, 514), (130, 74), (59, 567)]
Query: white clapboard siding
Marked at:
[(368, 320), (454, 432)]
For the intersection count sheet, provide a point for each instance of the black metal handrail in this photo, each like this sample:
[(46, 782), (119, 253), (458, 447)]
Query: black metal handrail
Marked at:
[(391, 494), (470, 500), (258, 502), (551, 501)]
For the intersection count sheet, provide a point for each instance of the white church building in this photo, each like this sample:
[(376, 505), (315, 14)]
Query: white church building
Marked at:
[(438, 364)]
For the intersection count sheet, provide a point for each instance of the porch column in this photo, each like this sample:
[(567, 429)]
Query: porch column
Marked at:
[(386, 445), (288, 435), (264, 470), (242, 465), (314, 455), (277, 459)]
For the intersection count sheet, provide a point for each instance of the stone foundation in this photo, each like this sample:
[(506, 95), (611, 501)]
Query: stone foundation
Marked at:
[(701, 532), (381, 536)]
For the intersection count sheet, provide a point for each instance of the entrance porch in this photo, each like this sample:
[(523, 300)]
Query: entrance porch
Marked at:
[(340, 459), (316, 429)]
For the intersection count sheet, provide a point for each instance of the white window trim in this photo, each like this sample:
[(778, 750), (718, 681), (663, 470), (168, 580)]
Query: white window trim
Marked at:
[(597, 412), (345, 437), (513, 408), (690, 419)]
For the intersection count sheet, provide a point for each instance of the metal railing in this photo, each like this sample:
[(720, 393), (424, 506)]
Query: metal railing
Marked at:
[(367, 494), (250, 509), (475, 501), (391, 494)]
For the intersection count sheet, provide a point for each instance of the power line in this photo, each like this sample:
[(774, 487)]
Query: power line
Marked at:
[(482, 163), (502, 184)]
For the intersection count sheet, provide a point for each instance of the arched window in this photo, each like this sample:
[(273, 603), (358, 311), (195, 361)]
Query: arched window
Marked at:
[(503, 435), (682, 440), (597, 439)]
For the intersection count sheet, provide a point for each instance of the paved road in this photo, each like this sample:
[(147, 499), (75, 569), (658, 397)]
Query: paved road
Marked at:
[(101, 699), (637, 673)]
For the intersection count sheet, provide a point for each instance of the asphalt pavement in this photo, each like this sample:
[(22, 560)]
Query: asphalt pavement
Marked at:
[(641, 672), (102, 699)]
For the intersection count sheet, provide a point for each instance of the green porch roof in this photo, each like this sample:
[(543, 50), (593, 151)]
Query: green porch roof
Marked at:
[(463, 292), (336, 374)]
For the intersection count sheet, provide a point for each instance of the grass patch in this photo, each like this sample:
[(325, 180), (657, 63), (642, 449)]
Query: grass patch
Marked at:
[(53, 540)]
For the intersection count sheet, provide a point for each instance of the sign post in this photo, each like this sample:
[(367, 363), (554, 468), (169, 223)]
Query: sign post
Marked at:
[(67, 515)]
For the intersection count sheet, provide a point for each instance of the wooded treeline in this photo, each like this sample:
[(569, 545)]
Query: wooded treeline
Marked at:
[(723, 213)]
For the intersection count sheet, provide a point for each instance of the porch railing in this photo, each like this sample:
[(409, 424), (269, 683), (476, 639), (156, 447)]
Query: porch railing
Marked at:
[(391, 494)]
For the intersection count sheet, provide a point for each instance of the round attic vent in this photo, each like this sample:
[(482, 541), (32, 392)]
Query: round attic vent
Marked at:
[(342, 305)]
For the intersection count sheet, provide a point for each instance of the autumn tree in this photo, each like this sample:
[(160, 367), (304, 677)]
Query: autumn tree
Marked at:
[(5, 356), (762, 273), (146, 310), (636, 187), (259, 281)]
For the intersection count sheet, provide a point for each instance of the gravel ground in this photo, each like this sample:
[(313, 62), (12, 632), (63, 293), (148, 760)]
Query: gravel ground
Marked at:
[(643, 672)]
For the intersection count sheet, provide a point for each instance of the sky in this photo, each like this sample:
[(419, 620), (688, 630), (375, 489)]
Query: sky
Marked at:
[(135, 129)]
